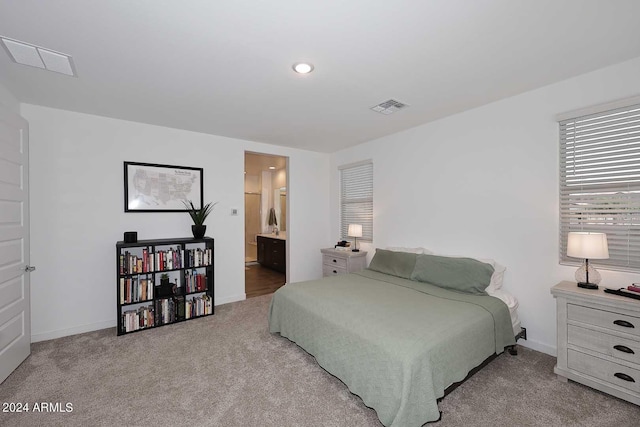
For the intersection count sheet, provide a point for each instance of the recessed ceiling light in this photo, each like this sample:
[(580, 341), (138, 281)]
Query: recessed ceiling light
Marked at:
[(272, 167), (39, 57), (302, 67)]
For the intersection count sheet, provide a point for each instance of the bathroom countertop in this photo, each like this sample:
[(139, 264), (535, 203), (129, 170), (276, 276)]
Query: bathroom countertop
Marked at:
[(282, 236)]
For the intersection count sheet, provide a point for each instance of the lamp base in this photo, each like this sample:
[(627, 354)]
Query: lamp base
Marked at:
[(587, 285), (587, 274)]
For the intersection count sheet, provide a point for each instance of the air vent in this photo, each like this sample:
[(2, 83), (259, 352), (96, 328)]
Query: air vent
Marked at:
[(39, 57), (388, 107)]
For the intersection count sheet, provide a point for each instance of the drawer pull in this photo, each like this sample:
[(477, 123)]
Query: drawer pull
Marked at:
[(623, 349), (623, 323), (335, 260), (335, 272), (624, 377)]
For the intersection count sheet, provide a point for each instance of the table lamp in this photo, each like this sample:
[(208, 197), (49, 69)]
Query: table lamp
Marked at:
[(355, 230), (588, 246)]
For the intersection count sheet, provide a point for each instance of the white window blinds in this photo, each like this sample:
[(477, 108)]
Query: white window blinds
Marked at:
[(356, 198), (600, 182)]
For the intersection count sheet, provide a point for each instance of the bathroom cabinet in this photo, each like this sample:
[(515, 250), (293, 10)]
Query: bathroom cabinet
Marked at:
[(272, 253)]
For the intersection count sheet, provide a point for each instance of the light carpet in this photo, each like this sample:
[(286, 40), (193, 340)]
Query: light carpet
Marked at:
[(227, 370)]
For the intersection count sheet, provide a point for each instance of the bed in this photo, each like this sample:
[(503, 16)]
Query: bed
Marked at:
[(393, 338)]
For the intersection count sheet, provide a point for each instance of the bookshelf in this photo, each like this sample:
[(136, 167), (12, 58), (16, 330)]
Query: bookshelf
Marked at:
[(164, 281)]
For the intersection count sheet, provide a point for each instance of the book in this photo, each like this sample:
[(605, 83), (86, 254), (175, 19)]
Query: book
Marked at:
[(634, 288), (145, 260)]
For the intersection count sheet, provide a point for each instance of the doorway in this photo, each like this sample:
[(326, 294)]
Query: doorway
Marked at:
[(265, 231)]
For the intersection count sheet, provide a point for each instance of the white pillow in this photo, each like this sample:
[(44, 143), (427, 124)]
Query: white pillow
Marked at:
[(498, 275), (498, 271), (409, 250), (506, 297), (512, 304)]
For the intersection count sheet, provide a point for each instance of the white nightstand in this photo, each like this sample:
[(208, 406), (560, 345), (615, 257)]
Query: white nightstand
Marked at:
[(599, 340), (336, 262)]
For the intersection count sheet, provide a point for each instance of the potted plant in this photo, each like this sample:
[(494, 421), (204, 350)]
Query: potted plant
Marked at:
[(198, 216), (164, 279)]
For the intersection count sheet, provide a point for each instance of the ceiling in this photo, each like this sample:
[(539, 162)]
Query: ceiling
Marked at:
[(224, 67), (255, 163)]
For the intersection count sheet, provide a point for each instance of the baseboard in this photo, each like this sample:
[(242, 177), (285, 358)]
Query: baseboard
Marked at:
[(538, 346), (50, 335), (227, 300)]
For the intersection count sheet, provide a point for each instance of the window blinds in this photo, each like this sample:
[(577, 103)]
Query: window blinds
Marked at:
[(600, 182), (356, 198)]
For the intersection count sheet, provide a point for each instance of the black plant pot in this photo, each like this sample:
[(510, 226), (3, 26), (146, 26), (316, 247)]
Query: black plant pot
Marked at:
[(198, 231), (165, 288)]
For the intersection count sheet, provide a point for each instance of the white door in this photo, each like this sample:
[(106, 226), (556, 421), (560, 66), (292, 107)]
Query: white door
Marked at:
[(15, 299)]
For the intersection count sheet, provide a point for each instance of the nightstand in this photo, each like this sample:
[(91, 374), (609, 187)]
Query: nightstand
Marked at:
[(598, 340), (336, 262)]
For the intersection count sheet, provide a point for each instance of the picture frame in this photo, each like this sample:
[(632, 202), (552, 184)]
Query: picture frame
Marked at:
[(150, 187)]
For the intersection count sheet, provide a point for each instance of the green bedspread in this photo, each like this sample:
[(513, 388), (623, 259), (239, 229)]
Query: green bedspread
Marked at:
[(396, 343)]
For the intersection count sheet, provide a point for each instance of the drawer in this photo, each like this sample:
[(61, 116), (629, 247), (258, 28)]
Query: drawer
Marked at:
[(329, 270), (611, 345), (604, 370), (334, 261), (604, 319)]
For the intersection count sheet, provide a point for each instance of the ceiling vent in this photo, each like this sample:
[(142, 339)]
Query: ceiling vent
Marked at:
[(388, 107), (39, 57)]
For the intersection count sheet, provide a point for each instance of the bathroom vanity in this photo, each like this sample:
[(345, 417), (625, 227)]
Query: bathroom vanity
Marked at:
[(272, 251)]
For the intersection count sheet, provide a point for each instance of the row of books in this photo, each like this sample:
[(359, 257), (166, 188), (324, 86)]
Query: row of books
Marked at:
[(170, 309), (177, 308), (166, 310), (170, 259), (198, 306), (132, 263), (195, 282), (135, 289), (141, 318), (198, 257)]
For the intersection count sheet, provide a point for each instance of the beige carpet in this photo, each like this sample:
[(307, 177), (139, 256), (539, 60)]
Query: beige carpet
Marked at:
[(227, 370)]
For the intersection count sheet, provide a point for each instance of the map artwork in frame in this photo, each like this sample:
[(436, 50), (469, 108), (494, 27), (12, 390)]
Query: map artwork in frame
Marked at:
[(161, 188)]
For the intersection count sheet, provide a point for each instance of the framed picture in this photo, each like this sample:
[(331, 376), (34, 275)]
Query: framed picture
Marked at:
[(161, 188)]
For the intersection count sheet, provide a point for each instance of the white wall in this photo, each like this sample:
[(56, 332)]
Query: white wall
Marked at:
[(77, 213), (485, 183), (8, 100)]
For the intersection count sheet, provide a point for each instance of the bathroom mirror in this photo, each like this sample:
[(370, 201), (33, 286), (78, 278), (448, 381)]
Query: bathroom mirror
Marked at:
[(280, 206), (282, 202)]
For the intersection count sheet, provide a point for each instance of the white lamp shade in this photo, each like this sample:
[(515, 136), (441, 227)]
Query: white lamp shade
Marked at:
[(355, 230), (587, 245)]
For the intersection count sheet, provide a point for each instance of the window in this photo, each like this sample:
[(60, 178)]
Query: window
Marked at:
[(600, 181), (356, 198)]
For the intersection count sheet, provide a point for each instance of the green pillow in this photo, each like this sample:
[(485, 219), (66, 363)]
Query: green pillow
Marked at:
[(399, 264), (459, 274)]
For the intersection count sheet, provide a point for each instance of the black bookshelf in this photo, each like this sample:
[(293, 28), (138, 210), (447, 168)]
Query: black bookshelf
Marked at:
[(163, 281)]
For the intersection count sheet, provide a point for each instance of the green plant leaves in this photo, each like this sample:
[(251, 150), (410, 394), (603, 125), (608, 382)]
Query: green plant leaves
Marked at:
[(198, 215)]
